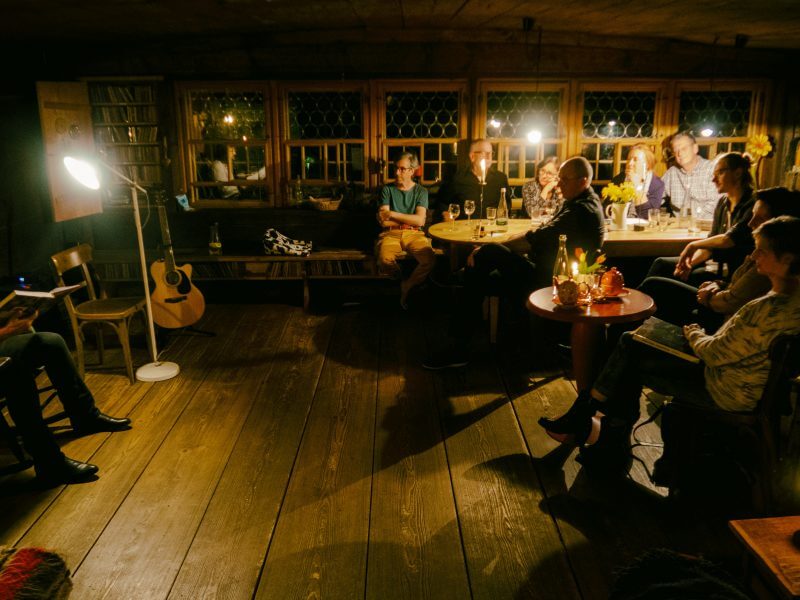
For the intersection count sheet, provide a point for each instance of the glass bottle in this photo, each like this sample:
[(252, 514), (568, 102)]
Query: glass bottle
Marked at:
[(214, 243), (502, 212), (561, 267)]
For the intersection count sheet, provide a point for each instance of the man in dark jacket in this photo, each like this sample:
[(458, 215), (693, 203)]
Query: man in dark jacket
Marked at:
[(497, 269)]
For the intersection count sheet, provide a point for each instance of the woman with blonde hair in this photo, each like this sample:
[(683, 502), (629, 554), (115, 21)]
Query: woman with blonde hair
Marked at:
[(639, 172)]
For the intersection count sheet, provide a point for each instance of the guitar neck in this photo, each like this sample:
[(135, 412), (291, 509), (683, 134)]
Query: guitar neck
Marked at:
[(166, 239)]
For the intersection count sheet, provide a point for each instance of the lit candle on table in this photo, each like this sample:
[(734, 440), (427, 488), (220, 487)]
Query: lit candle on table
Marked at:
[(574, 269), (483, 171)]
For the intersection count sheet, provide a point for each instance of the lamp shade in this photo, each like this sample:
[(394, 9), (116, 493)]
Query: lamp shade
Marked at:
[(83, 171)]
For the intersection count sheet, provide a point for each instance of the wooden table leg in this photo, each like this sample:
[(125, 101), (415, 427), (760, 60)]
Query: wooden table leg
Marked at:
[(454, 266), (587, 346)]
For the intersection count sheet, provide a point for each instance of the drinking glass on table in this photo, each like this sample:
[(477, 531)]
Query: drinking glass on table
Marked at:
[(652, 218), (491, 215), (469, 208), (454, 210)]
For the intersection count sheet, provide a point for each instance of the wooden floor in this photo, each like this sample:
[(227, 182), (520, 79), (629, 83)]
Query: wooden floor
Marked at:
[(310, 456)]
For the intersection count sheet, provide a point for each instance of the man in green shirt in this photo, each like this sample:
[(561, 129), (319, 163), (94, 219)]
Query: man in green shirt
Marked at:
[(402, 212)]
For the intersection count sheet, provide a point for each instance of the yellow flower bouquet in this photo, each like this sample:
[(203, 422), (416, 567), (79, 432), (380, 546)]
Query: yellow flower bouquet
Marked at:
[(619, 194)]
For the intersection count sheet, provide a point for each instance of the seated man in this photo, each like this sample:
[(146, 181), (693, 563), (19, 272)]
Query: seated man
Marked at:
[(467, 184), (580, 218), (29, 351), (687, 183), (731, 377), (402, 212)]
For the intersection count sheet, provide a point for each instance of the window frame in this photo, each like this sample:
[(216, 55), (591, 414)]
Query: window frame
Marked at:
[(188, 180)]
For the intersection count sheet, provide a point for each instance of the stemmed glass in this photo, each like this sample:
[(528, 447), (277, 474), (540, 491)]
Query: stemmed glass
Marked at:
[(454, 210), (469, 208)]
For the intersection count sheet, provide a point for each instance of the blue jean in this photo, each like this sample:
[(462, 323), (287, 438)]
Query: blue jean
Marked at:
[(676, 302), (633, 365), (28, 352)]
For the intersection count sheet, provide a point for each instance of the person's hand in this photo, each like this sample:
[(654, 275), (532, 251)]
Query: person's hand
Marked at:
[(706, 292), (471, 257), (383, 216), (446, 216), (20, 322), (549, 187), (687, 329)]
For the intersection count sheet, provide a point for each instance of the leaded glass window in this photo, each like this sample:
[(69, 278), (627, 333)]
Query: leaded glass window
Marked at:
[(511, 115), (715, 114), (227, 132), (618, 114), (325, 115), (422, 115)]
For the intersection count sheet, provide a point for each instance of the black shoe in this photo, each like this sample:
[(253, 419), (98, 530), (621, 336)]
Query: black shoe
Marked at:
[(445, 360), (577, 420), (65, 471), (664, 474), (100, 422)]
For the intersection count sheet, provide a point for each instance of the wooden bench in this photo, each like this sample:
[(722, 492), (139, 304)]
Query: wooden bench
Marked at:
[(322, 264)]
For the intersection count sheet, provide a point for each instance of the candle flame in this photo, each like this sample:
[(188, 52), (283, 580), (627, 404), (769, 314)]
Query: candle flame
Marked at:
[(483, 170)]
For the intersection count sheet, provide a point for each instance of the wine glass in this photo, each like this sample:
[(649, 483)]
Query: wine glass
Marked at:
[(491, 215), (454, 210), (469, 208)]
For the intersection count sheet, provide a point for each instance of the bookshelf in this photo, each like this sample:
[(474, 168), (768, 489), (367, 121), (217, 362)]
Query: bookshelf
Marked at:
[(125, 119)]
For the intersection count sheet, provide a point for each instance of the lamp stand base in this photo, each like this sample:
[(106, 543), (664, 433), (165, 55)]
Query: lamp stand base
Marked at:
[(157, 371)]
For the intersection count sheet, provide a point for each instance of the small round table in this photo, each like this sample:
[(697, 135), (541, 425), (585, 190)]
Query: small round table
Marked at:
[(462, 234), (587, 325)]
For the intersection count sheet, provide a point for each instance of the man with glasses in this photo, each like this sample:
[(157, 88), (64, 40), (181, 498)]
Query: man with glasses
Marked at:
[(498, 269), (401, 215), (466, 184), (689, 181)]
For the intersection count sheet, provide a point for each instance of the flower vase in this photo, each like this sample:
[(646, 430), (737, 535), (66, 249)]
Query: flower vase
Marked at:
[(618, 213)]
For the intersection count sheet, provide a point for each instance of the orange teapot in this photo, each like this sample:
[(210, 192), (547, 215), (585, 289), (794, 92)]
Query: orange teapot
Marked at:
[(612, 283)]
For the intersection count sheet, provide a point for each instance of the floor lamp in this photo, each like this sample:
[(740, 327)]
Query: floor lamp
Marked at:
[(85, 172)]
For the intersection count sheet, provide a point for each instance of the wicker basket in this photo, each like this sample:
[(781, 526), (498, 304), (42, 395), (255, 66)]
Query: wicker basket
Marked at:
[(325, 203)]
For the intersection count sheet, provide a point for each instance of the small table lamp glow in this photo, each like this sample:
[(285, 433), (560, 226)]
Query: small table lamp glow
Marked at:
[(86, 174)]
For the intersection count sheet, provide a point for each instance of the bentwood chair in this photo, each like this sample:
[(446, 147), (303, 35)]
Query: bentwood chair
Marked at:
[(98, 310), (756, 433)]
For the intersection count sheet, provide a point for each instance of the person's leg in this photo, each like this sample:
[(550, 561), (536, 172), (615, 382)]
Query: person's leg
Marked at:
[(418, 246), (387, 249), (663, 266), (675, 301)]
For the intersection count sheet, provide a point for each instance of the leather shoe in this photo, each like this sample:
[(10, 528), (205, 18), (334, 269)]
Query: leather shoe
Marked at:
[(65, 471), (101, 422)]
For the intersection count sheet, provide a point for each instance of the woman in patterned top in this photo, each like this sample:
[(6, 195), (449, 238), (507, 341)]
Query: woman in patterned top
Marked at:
[(541, 196), (735, 360)]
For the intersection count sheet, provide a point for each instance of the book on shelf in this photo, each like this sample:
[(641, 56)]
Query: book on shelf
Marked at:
[(666, 337), (30, 301)]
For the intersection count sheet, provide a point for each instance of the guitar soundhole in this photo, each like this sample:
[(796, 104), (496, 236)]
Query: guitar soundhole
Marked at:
[(173, 278)]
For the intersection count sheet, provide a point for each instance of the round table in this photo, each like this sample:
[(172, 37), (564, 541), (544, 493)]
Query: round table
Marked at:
[(462, 234), (588, 325)]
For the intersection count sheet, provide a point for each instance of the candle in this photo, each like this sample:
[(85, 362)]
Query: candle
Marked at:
[(483, 170), (574, 268)]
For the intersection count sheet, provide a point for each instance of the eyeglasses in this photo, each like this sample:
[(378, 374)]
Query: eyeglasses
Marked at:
[(401, 169)]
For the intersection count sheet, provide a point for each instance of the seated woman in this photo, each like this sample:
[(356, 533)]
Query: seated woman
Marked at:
[(735, 369), (639, 172), (541, 196), (714, 301), (734, 210)]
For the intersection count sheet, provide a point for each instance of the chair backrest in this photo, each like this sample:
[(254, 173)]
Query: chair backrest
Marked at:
[(77, 257), (784, 354)]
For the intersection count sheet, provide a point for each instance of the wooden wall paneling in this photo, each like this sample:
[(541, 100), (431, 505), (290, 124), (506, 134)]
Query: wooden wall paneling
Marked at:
[(67, 129)]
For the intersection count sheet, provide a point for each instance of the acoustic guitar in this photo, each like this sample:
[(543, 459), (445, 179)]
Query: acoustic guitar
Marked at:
[(176, 301)]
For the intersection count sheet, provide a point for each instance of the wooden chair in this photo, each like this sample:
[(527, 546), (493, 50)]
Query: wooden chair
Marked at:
[(98, 309), (761, 427)]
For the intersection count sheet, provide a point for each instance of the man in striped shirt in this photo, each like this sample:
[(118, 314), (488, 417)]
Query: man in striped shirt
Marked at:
[(689, 182)]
